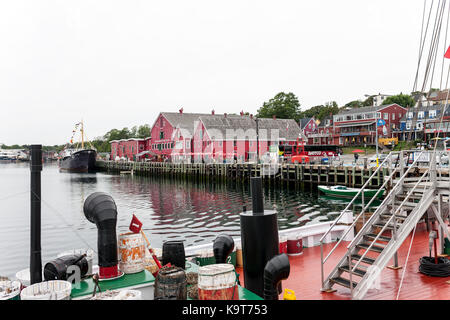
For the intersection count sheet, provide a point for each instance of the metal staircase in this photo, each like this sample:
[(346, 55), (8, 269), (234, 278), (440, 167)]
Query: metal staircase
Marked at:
[(411, 194)]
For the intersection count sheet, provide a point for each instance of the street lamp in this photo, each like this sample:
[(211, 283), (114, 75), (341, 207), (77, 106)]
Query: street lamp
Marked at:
[(257, 139)]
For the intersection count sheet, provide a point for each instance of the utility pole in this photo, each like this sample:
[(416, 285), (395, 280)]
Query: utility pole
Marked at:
[(257, 140), (376, 135)]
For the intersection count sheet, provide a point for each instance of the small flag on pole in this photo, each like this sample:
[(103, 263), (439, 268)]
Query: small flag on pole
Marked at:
[(447, 54)]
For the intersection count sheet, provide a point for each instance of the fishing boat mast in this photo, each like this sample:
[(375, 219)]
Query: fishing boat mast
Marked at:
[(82, 134)]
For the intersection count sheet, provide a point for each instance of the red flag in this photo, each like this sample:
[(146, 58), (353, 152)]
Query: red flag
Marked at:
[(447, 54)]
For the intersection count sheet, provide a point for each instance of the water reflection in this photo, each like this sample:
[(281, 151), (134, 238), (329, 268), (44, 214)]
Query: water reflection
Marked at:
[(169, 209)]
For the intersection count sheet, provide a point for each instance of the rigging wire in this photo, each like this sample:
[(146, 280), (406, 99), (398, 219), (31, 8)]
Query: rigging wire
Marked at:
[(435, 35), (14, 195), (406, 263), (422, 42), (65, 221), (445, 48)]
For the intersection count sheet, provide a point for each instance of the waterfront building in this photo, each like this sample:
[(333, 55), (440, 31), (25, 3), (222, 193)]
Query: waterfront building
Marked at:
[(172, 132), (426, 124), (127, 148), (229, 138), (357, 126), (326, 133), (308, 126)]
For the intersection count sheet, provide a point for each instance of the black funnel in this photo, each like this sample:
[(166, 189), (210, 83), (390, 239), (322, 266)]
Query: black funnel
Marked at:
[(100, 208), (222, 247), (277, 269)]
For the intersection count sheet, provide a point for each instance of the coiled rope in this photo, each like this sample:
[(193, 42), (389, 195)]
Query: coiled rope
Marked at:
[(430, 268)]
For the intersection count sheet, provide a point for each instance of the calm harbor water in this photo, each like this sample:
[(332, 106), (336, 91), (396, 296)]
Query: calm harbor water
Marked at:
[(195, 213)]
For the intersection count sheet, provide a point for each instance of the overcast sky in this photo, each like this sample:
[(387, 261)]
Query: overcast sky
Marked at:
[(117, 64)]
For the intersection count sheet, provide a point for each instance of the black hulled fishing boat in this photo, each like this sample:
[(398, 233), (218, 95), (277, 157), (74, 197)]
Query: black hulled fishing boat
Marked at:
[(78, 160)]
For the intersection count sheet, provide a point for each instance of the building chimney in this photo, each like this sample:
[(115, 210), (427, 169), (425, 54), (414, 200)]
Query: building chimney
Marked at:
[(181, 110), (213, 112)]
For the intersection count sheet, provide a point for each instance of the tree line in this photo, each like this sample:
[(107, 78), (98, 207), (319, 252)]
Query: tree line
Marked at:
[(287, 106), (282, 105)]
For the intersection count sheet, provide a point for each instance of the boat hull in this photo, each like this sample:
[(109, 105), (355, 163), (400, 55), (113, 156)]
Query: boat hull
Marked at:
[(349, 193), (80, 161)]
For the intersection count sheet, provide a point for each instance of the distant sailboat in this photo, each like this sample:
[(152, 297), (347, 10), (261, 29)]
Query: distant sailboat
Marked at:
[(78, 160)]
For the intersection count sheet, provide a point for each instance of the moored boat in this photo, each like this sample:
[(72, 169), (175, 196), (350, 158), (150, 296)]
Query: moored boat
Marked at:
[(78, 160), (345, 192)]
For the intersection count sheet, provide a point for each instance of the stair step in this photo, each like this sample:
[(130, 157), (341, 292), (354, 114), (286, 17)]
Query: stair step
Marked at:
[(389, 215), (365, 259), (373, 236), (411, 197), (357, 271), (374, 248), (389, 226), (406, 204), (343, 282)]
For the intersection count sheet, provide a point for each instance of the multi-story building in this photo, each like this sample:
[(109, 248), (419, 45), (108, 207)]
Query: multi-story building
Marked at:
[(228, 138), (127, 148), (425, 122), (173, 131), (357, 126), (325, 134)]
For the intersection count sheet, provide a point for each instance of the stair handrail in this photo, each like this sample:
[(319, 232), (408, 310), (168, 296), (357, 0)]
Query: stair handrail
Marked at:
[(390, 219), (376, 213), (371, 218), (322, 261), (425, 198), (359, 215), (354, 198)]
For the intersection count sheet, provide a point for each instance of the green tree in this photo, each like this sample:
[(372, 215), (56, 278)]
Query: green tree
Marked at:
[(354, 104), (405, 100), (144, 131), (283, 106)]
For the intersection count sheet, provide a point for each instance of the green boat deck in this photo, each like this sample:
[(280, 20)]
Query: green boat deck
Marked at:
[(139, 280)]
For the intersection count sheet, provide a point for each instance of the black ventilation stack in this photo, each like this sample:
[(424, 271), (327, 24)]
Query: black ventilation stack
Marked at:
[(223, 246), (100, 208), (259, 237), (276, 270), (35, 206)]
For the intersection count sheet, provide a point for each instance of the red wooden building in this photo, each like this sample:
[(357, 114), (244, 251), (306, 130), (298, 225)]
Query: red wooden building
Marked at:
[(127, 148), (172, 132), (228, 138), (357, 126)]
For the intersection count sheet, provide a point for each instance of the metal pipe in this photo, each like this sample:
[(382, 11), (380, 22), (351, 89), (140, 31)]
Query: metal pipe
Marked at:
[(35, 214), (257, 195)]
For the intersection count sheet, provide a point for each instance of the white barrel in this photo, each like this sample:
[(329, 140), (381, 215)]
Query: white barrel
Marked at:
[(9, 290), (89, 256), (48, 290), (131, 252), (24, 277), (217, 282)]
